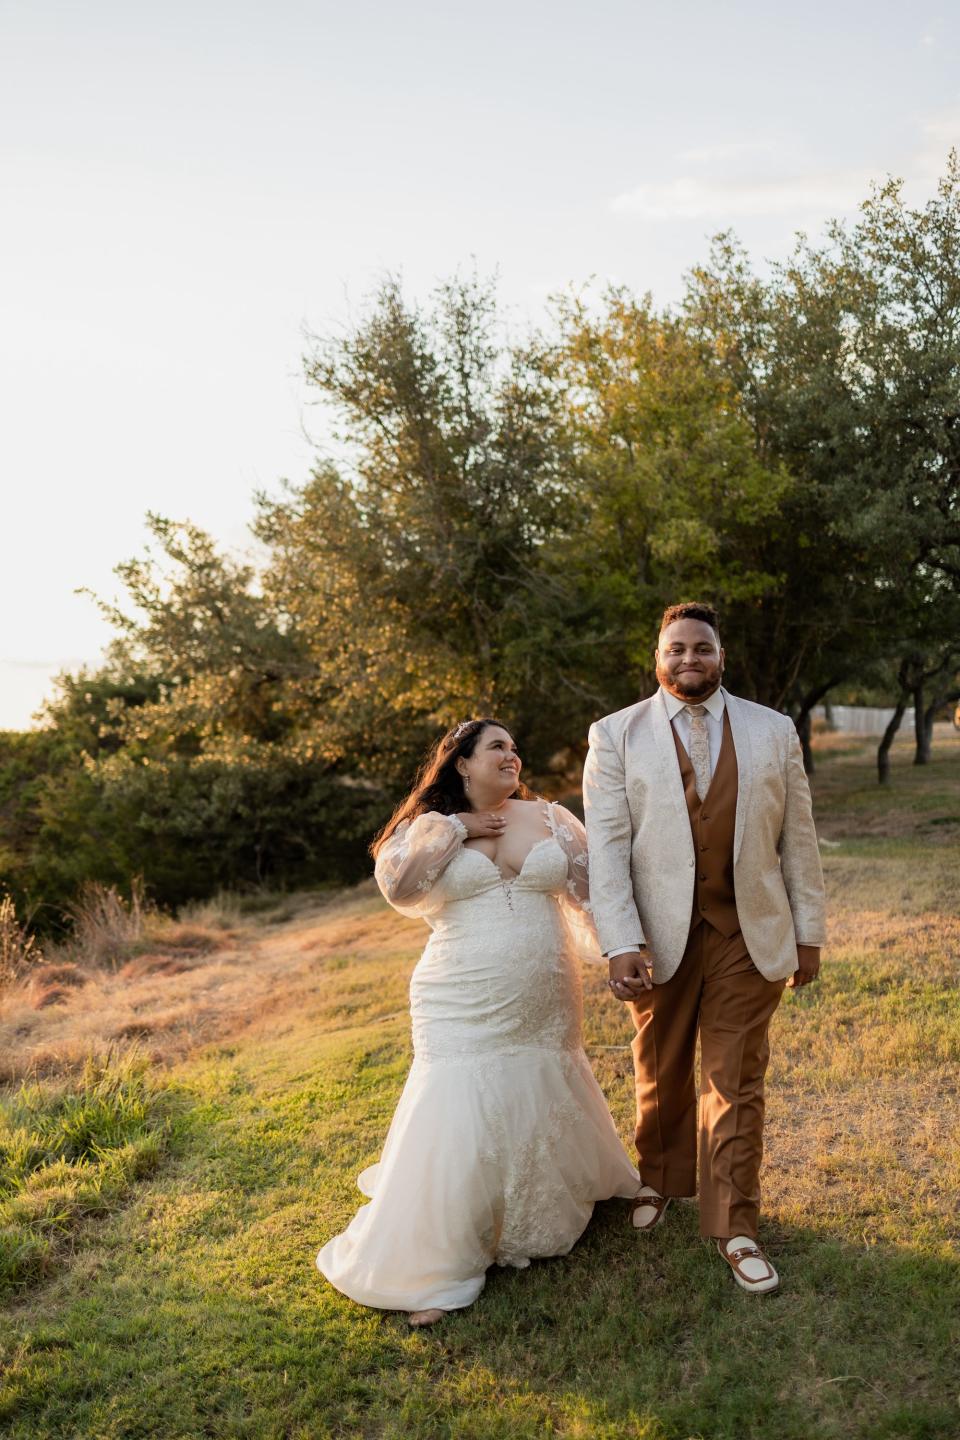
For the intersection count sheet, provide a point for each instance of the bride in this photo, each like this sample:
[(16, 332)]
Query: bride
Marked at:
[(502, 1140)]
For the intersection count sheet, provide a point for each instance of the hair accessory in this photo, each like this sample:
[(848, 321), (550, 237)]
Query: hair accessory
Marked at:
[(464, 725)]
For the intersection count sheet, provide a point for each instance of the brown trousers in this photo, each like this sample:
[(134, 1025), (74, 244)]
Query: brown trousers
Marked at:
[(718, 989)]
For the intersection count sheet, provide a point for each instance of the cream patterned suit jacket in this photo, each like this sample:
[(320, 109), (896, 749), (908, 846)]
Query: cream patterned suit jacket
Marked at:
[(642, 864)]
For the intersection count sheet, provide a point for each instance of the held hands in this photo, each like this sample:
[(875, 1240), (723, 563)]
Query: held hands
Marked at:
[(808, 966), (631, 974), (482, 824)]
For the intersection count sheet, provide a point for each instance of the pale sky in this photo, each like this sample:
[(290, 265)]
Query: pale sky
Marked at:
[(185, 187)]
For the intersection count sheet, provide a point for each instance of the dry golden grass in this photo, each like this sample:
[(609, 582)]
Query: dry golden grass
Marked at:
[(191, 983), (18, 948), (864, 1087)]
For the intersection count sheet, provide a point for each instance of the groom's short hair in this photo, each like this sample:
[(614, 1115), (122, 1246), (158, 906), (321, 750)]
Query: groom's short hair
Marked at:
[(695, 610)]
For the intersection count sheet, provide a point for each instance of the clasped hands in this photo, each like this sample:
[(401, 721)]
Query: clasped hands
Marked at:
[(631, 974)]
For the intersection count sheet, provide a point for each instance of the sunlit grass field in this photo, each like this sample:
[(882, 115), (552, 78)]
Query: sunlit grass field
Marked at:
[(190, 1306)]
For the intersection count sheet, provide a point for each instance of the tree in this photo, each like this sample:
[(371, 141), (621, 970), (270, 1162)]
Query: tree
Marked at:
[(906, 342), (411, 570), (847, 359), (176, 761), (670, 499), (782, 341)]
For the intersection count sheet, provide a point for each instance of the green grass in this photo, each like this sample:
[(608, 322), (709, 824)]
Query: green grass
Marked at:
[(195, 1310), (68, 1152)]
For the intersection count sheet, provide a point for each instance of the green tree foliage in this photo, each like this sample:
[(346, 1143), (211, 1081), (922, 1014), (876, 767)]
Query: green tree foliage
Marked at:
[(782, 341), (411, 570), (26, 761), (507, 521), (173, 762), (672, 500), (847, 359), (907, 268)]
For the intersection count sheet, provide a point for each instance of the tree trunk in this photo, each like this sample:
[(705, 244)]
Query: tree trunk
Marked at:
[(802, 720), (921, 754), (942, 696), (803, 730), (928, 716), (883, 749)]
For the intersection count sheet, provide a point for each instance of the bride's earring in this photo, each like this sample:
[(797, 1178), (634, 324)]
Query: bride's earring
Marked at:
[(466, 784)]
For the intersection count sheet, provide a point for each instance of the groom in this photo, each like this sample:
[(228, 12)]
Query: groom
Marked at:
[(707, 891)]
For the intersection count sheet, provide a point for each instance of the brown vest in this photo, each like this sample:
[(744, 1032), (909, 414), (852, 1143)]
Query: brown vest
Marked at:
[(713, 823)]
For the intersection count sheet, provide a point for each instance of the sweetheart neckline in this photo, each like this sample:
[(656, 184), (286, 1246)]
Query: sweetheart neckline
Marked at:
[(514, 878)]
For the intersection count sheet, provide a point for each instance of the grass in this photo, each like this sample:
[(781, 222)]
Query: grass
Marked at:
[(68, 1153), (194, 1310), (169, 985)]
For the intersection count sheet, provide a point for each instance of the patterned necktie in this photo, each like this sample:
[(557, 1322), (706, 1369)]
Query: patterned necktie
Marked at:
[(699, 748)]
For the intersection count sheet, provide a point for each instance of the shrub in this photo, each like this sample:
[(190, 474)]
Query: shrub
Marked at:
[(18, 948), (104, 924)]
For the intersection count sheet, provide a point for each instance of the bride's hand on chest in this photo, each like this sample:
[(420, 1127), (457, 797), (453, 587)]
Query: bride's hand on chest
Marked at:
[(482, 825), (505, 836)]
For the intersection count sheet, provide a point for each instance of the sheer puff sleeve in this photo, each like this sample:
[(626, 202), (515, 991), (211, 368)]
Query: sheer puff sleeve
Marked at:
[(575, 903), (415, 854)]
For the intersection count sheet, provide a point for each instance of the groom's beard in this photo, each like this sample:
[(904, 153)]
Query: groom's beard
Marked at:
[(691, 686)]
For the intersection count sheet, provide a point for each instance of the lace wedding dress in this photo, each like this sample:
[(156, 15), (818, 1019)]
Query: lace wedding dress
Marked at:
[(502, 1140)]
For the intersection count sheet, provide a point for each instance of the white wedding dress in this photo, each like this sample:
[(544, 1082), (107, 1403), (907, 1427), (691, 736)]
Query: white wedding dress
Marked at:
[(502, 1140)]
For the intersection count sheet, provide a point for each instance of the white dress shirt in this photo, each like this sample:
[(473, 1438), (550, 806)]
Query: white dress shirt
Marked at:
[(680, 720)]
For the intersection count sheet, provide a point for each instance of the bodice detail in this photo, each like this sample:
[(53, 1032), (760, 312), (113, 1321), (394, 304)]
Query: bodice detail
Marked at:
[(471, 874), (496, 974)]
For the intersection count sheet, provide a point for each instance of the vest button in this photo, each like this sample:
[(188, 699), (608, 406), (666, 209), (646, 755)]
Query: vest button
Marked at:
[(703, 877)]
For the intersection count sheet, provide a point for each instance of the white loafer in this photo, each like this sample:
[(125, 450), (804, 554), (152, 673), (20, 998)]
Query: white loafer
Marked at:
[(649, 1208), (751, 1268)]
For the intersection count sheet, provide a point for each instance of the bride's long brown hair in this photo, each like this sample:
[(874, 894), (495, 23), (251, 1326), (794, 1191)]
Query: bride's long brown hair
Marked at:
[(439, 784)]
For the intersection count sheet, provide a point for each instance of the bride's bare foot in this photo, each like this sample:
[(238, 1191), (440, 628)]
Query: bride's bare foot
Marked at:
[(419, 1318)]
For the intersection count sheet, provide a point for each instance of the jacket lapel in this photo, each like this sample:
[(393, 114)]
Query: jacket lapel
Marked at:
[(667, 751), (740, 730)]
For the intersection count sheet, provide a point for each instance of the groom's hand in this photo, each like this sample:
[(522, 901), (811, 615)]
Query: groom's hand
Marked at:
[(631, 974), (808, 966)]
